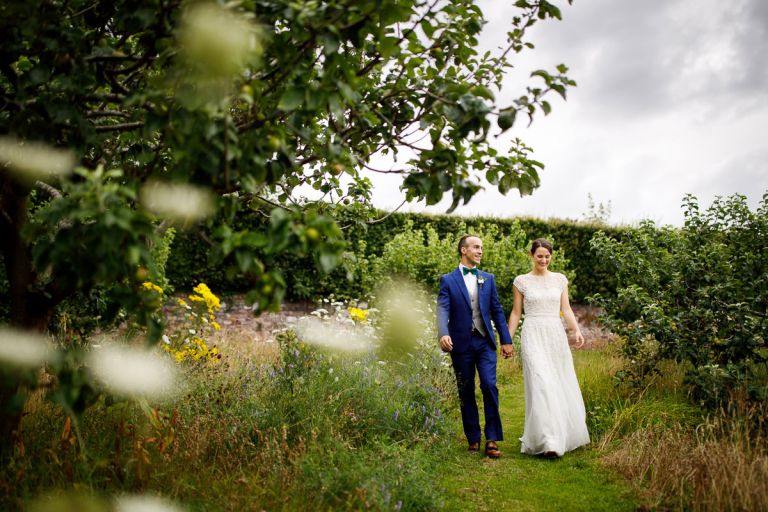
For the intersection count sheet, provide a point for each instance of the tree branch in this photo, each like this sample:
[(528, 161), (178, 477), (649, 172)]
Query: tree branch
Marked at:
[(106, 113), (110, 58), (52, 191), (382, 171), (382, 219), (123, 127)]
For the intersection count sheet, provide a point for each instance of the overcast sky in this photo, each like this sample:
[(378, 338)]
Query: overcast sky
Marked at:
[(672, 98)]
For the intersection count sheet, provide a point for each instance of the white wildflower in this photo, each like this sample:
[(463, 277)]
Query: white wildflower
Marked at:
[(133, 372), (178, 202), (144, 503), (23, 349), (34, 160)]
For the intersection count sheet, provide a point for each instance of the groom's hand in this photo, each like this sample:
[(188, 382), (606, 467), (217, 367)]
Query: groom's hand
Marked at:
[(507, 350), (446, 344)]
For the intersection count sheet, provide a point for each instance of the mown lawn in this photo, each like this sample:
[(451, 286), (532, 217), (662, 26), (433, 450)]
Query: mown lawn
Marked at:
[(523, 483)]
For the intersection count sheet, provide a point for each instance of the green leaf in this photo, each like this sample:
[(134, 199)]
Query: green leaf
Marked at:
[(427, 27), (291, 99), (328, 261), (507, 119), (330, 44), (389, 46)]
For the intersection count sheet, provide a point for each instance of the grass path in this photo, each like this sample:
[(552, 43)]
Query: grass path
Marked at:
[(522, 483)]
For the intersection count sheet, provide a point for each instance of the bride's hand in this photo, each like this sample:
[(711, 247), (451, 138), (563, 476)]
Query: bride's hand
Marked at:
[(579, 340)]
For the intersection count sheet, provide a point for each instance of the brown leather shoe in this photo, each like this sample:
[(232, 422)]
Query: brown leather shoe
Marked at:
[(492, 450), (473, 447)]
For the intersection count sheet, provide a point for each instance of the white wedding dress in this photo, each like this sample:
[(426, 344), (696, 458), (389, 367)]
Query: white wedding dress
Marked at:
[(555, 420)]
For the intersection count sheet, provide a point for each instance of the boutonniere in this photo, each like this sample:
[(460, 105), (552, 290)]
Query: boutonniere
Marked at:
[(480, 280)]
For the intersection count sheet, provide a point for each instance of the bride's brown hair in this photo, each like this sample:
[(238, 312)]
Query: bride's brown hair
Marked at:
[(542, 242)]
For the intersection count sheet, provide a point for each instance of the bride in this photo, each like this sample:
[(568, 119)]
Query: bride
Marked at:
[(555, 420)]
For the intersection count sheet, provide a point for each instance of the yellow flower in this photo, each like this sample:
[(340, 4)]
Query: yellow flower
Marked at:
[(204, 294), (358, 314), (150, 286), (216, 326)]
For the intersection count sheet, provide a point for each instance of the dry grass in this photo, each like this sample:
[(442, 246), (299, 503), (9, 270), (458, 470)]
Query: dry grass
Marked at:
[(674, 457), (721, 465)]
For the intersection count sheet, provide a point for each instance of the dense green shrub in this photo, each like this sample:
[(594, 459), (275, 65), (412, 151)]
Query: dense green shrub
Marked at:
[(189, 262), (424, 255), (697, 295), (99, 307)]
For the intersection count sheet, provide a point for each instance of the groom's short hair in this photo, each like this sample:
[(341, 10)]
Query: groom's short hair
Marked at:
[(463, 242)]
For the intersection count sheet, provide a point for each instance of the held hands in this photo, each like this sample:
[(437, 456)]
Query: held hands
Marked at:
[(446, 344), (507, 351)]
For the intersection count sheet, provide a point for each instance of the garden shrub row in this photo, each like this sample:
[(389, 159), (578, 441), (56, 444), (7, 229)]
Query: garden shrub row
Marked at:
[(697, 296), (188, 262)]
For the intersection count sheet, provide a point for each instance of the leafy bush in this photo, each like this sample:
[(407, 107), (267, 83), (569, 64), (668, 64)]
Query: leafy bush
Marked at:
[(697, 295), (99, 307), (425, 255), (189, 262)]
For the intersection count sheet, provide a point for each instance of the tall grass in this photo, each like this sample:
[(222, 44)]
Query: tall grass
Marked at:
[(294, 429), (676, 456)]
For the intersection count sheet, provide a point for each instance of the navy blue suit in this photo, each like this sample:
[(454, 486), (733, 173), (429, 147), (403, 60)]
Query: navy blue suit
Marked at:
[(473, 352)]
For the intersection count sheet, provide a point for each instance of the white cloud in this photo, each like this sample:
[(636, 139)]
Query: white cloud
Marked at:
[(671, 100)]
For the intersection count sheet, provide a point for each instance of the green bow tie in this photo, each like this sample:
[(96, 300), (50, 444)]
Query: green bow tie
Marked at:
[(469, 270)]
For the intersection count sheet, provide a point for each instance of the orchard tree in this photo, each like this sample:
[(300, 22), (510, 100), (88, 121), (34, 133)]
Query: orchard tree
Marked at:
[(121, 118)]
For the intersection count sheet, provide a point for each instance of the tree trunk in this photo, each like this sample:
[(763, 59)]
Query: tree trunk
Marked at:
[(29, 309)]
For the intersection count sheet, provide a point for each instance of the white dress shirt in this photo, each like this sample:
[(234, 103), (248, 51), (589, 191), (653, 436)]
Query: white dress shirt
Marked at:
[(470, 280)]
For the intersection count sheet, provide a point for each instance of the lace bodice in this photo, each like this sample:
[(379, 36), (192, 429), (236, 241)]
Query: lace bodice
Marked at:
[(541, 294)]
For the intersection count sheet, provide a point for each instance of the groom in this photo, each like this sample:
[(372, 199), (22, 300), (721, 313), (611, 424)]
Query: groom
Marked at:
[(466, 304)]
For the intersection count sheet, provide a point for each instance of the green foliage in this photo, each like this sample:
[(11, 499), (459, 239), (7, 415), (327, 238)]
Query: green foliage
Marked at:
[(305, 430), (697, 295), (386, 401), (420, 255), (298, 96), (425, 256), (159, 254), (358, 272), (76, 238), (76, 317), (241, 106)]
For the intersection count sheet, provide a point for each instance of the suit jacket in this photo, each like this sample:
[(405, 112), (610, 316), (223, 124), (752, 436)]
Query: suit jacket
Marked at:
[(454, 310)]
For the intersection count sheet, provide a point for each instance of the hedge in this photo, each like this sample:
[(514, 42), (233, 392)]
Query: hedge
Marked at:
[(188, 262)]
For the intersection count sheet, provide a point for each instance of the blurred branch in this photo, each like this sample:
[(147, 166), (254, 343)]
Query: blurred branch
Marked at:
[(106, 113), (52, 191), (119, 127), (382, 219), (110, 58)]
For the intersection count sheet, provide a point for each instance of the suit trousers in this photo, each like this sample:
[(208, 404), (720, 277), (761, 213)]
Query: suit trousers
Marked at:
[(479, 357)]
